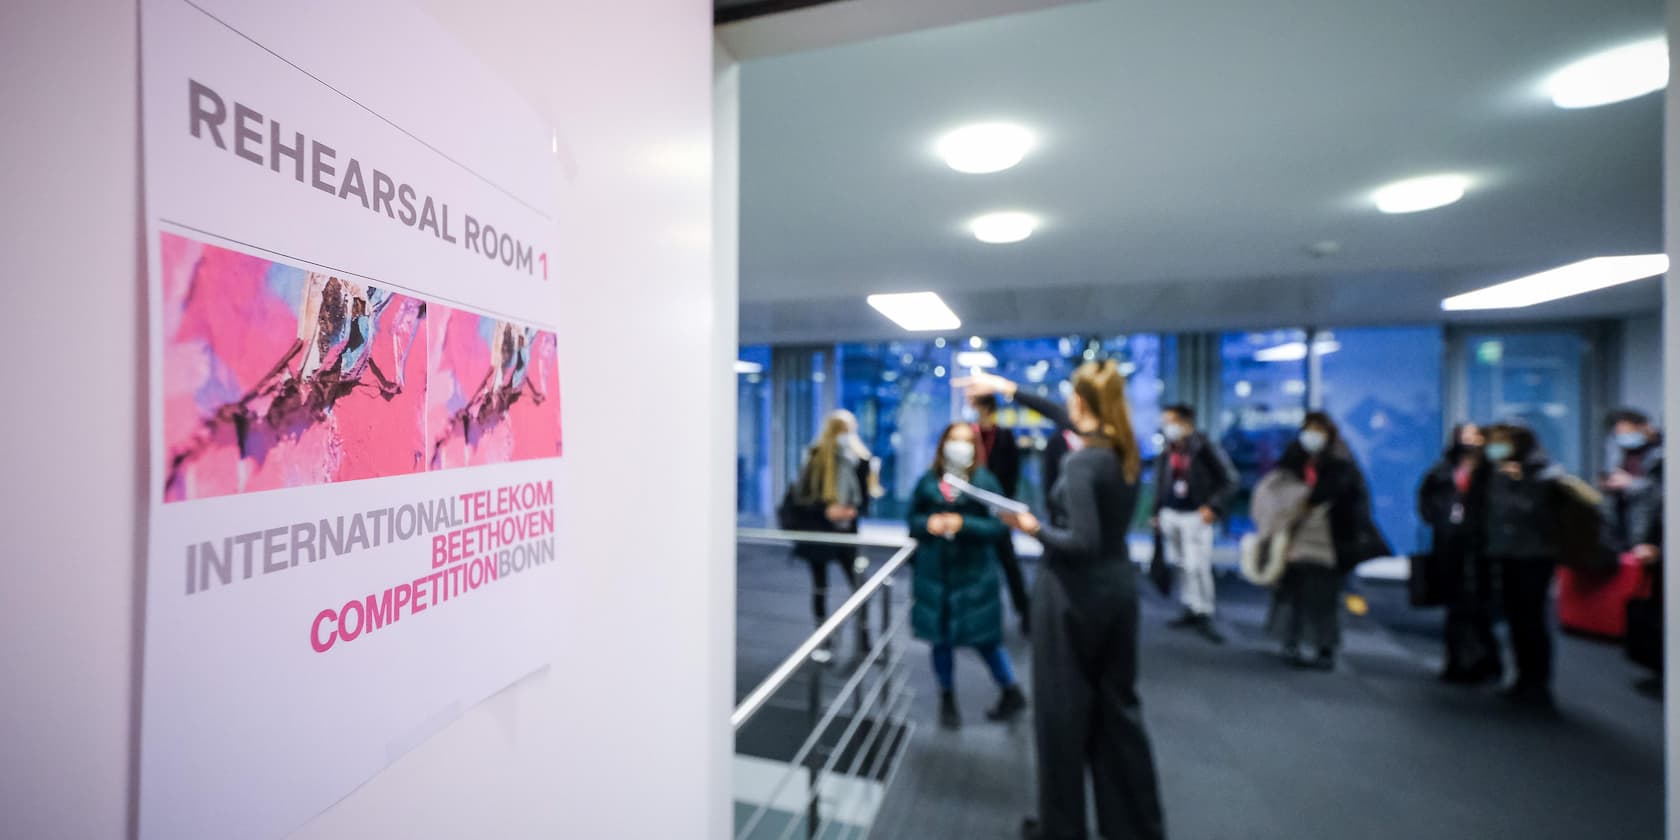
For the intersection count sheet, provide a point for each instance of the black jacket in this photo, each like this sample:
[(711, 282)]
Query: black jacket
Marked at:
[(1634, 516), (1003, 459), (800, 512), (1213, 479), (1438, 495), (1055, 451), (1353, 531), (1523, 514)]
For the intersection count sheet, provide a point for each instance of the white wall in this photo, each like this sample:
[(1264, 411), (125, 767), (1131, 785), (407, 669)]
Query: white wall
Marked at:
[(1671, 402), (1642, 364), (625, 735), (70, 441)]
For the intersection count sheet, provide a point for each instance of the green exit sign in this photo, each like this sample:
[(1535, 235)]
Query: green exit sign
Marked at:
[(1490, 352)]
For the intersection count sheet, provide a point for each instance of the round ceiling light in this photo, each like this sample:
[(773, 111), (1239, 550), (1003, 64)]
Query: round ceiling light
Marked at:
[(1611, 76), (1003, 228), (1415, 194), (984, 147)]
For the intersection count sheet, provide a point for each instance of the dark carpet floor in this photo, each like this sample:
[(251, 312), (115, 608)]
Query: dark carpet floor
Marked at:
[(1248, 749)]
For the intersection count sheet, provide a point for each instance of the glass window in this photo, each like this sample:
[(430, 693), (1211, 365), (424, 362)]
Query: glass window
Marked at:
[(1383, 387), (1046, 364), (901, 394), (1263, 398), (755, 498), (1535, 378)]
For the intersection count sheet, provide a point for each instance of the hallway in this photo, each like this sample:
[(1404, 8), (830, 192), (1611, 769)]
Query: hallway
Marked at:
[(1375, 750)]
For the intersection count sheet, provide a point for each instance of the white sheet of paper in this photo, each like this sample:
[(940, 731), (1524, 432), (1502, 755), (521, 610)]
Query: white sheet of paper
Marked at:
[(992, 500)]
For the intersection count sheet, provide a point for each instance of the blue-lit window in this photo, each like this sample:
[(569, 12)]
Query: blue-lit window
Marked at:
[(901, 394), (1263, 398), (1535, 378), (1383, 387), (755, 498)]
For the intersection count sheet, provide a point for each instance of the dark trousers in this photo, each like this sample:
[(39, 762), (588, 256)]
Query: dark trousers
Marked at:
[(1086, 711), (1471, 645), (1306, 607), (1012, 576), (1527, 583), (820, 558)]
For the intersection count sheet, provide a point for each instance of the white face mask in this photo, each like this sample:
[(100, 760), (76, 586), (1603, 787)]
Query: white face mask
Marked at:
[(959, 454), (1314, 441), (1174, 432)]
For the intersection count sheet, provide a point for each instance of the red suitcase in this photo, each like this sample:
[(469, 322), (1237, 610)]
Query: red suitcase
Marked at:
[(1596, 605)]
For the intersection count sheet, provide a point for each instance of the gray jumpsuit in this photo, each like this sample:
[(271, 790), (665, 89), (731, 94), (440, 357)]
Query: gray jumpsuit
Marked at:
[(1086, 711)]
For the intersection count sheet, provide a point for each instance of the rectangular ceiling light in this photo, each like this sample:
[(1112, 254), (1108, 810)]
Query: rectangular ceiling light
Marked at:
[(916, 311), (748, 367), (1558, 283), (1295, 351)]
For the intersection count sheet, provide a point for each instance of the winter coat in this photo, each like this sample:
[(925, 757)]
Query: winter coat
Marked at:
[(955, 583), (1522, 514), (1212, 478)]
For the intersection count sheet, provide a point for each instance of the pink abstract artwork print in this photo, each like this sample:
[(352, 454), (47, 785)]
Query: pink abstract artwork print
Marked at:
[(493, 391), (276, 376)]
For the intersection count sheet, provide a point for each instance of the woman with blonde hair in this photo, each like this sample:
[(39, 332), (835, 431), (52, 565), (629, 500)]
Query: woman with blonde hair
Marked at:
[(831, 494), (1088, 717)]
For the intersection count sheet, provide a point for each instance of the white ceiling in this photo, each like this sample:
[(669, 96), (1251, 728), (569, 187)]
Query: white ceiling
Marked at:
[(1190, 152)]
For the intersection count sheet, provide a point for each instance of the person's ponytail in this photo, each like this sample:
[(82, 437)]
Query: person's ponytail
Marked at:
[(1102, 387)]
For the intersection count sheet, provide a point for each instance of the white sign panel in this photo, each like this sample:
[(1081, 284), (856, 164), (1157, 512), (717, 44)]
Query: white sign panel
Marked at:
[(354, 402)]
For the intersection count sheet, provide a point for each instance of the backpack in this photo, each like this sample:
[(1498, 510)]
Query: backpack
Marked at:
[(797, 512), (1583, 543)]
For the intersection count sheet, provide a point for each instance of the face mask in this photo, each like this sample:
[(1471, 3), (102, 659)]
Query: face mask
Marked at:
[(959, 454), (1314, 441), (1500, 451), (1632, 440), (1174, 433)]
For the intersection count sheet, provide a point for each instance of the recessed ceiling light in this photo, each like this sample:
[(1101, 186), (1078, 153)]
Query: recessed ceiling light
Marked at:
[(1566, 281), (1003, 228), (1611, 76), (1295, 351), (748, 367), (984, 147), (1415, 194), (916, 311)]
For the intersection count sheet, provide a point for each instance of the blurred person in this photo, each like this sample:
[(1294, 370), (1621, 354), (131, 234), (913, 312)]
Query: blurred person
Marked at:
[(1194, 482), (1521, 540), (831, 494), (955, 580), (1087, 715), (1318, 496), (1450, 503), (1633, 514), (998, 452)]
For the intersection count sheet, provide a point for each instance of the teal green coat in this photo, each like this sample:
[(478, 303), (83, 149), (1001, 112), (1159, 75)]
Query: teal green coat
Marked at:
[(956, 580)]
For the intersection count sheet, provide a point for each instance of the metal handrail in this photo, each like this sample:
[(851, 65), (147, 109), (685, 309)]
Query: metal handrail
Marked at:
[(755, 701), (806, 749), (763, 535)]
